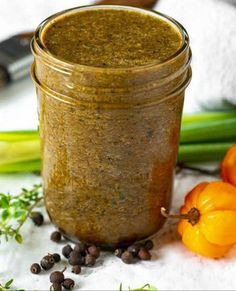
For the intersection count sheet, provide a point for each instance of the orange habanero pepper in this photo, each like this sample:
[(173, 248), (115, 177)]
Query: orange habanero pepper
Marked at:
[(228, 166), (208, 219)]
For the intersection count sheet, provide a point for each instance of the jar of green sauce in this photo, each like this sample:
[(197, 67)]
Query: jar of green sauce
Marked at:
[(110, 82)]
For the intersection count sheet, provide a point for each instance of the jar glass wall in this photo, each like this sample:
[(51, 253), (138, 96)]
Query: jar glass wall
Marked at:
[(109, 140)]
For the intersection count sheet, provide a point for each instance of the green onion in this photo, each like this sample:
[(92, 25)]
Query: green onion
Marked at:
[(18, 135), (12, 152), (194, 153), (209, 131), (21, 167), (207, 116), (204, 137)]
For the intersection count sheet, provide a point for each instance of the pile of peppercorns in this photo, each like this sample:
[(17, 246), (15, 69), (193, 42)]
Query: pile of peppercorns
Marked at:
[(46, 263), (135, 252), (56, 278), (81, 255), (85, 255)]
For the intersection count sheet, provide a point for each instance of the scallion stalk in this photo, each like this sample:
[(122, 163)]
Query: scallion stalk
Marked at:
[(194, 153), (21, 167), (21, 135), (204, 137), (12, 152), (209, 131), (207, 116)]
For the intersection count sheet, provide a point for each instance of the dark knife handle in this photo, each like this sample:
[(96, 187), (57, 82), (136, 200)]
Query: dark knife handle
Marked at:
[(15, 58), (148, 4), (15, 55)]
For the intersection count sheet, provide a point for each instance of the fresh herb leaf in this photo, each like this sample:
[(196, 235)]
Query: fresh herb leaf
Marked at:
[(8, 284), (146, 287), (18, 238), (5, 214), (14, 211), (4, 200)]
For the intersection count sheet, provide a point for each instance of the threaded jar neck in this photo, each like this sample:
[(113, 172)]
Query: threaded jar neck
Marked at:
[(111, 85)]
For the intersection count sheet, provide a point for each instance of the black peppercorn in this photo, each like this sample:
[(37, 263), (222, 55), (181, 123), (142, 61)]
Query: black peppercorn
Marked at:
[(66, 251), (35, 268), (127, 257), (76, 270), (81, 248), (144, 254), (37, 218), (51, 259), (90, 260), (134, 249), (75, 258), (82, 261), (56, 257), (68, 284), (118, 252), (57, 277), (55, 236), (94, 251), (56, 287), (47, 262), (149, 245)]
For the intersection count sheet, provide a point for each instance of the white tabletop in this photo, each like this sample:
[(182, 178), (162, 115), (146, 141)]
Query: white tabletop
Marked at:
[(172, 266)]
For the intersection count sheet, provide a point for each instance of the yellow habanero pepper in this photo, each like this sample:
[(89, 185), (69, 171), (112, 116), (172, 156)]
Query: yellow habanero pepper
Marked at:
[(208, 219), (228, 166)]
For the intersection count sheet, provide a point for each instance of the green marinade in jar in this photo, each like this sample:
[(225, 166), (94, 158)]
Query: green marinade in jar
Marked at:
[(110, 82)]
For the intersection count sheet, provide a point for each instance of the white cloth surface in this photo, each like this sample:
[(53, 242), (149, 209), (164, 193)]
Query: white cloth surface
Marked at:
[(17, 16), (173, 267), (212, 28), (211, 25)]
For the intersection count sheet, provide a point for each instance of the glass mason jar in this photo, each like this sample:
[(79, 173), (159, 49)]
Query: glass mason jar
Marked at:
[(109, 140)]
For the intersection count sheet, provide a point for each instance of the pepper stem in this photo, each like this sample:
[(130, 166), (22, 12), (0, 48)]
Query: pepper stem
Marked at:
[(192, 216)]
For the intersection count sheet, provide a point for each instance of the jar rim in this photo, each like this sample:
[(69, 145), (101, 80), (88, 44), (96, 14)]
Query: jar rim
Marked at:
[(37, 40)]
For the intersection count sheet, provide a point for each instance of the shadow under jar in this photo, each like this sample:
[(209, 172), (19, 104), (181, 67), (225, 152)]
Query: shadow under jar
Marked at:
[(110, 82)]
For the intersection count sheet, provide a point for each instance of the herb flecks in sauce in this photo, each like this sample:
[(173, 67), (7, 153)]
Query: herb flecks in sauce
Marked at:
[(110, 140), (103, 38)]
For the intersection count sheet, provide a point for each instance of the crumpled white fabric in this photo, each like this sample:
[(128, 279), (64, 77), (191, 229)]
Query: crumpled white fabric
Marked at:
[(211, 25), (212, 28), (172, 267)]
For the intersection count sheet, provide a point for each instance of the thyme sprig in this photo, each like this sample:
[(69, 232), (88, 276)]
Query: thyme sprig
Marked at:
[(8, 286), (14, 211), (146, 287)]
